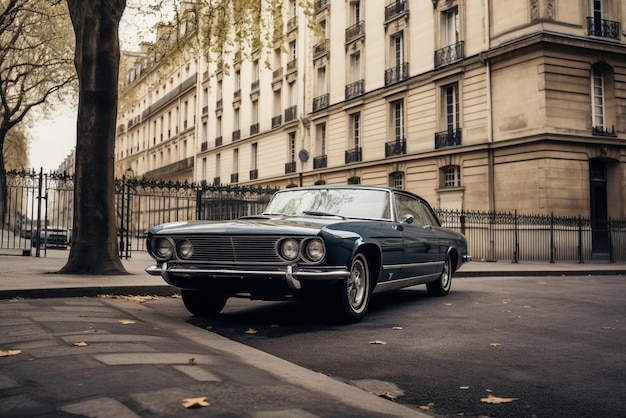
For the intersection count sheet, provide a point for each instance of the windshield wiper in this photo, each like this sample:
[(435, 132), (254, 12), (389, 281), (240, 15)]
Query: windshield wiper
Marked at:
[(320, 213)]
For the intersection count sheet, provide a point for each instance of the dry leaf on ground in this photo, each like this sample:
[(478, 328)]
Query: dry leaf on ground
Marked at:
[(7, 353), (496, 399), (251, 331), (80, 344), (126, 321), (428, 406), (195, 402), (387, 395), (377, 342)]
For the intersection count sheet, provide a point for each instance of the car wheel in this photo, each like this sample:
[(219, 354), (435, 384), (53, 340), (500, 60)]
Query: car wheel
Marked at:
[(353, 294), (441, 286), (202, 303)]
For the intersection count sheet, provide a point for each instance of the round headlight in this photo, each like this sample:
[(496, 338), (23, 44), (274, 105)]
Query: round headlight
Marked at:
[(314, 250), (185, 249), (289, 249), (163, 248)]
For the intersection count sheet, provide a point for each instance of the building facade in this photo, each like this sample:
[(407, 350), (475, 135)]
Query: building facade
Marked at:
[(475, 105)]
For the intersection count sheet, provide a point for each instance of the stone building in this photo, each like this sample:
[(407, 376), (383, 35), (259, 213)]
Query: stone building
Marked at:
[(476, 105)]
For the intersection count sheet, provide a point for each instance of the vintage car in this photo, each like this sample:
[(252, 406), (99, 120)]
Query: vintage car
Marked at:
[(337, 243)]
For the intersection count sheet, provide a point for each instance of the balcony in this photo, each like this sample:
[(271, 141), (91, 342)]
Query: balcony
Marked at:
[(355, 89), (395, 10), (602, 131), (291, 113), (219, 104), (320, 5), (290, 167), (234, 178), (216, 181), (292, 65), (236, 135), (205, 110), (355, 31), (292, 24), (320, 49), (395, 148), (396, 74), (254, 86), (603, 28), (254, 129), (353, 155), (204, 146), (237, 95), (277, 74), (254, 174), (218, 141), (449, 138), (449, 54), (320, 162), (277, 121), (320, 102)]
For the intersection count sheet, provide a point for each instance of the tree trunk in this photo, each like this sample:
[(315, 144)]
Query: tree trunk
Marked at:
[(94, 247), (3, 183)]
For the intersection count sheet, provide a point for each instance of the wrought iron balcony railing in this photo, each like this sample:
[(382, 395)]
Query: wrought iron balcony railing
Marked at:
[(449, 54), (396, 74), (395, 10), (353, 155), (204, 146), (254, 86), (355, 89), (320, 102), (320, 162), (216, 181), (355, 31), (218, 141), (603, 28), (205, 110), (292, 65), (320, 5), (450, 138), (277, 121), (320, 49), (396, 147), (236, 135), (290, 167), (237, 95), (219, 104), (277, 74), (292, 23), (234, 178), (290, 113), (603, 131), (254, 174), (254, 129)]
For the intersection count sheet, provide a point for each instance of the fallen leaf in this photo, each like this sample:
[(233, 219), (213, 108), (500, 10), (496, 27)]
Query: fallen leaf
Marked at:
[(7, 353), (81, 344), (192, 361), (195, 402), (377, 342), (397, 328), (251, 331), (428, 406), (126, 321), (495, 345), (387, 395), (496, 399)]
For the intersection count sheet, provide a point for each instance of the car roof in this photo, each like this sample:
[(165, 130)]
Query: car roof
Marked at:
[(353, 186)]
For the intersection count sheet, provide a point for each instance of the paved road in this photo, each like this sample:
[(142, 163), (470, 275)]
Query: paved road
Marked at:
[(551, 346)]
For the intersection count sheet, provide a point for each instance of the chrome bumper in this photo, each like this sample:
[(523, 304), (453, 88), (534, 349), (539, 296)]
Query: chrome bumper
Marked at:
[(292, 274)]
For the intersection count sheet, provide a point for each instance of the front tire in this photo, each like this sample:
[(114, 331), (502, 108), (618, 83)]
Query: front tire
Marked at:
[(441, 286), (202, 303), (353, 294)]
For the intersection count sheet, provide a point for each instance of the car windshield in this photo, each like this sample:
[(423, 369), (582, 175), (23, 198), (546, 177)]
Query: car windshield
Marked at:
[(348, 203)]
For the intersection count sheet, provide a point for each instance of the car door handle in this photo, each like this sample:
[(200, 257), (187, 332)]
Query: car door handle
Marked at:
[(398, 227)]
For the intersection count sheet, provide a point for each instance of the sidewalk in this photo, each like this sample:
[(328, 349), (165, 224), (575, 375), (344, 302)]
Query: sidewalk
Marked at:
[(112, 357)]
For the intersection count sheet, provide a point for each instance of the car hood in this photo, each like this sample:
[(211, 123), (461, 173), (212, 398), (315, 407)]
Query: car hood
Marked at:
[(249, 226)]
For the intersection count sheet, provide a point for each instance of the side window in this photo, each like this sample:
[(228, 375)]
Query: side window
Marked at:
[(408, 206)]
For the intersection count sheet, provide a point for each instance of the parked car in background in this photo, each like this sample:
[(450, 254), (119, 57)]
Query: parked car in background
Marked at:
[(52, 238), (337, 243)]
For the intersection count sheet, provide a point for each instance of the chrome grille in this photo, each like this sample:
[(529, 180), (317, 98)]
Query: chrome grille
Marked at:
[(234, 249)]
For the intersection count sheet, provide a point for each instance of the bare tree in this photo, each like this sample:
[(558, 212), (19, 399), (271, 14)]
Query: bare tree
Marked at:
[(15, 150), (35, 65)]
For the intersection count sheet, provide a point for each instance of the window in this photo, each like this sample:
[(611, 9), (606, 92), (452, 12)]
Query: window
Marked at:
[(397, 50), (451, 176), (355, 129), (320, 139), (321, 81), (355, 66), (254, 153), (397, 119), (397, 180), (354, 180), (235, 161), (451, 106), (597, 99), (292, 147), (450, 35)]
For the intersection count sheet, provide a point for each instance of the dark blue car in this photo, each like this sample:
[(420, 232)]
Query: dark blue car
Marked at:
[(337, 243)]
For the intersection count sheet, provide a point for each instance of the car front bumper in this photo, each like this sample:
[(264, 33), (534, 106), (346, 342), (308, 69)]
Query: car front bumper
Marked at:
[(292, 274)]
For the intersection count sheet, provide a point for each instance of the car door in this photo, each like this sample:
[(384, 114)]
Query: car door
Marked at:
[(420, 243)]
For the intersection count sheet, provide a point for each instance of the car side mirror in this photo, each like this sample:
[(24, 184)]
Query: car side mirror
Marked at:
[(407, 219)]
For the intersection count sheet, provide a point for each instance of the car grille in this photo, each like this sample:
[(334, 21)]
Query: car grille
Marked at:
[(235, 249)]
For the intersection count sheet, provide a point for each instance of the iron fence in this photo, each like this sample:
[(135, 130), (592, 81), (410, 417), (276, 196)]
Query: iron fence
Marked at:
[(494, 236), (39, 203)]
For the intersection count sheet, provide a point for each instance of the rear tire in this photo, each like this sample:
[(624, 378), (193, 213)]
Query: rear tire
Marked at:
[(441, 286), (202, 303), (352, 296)]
